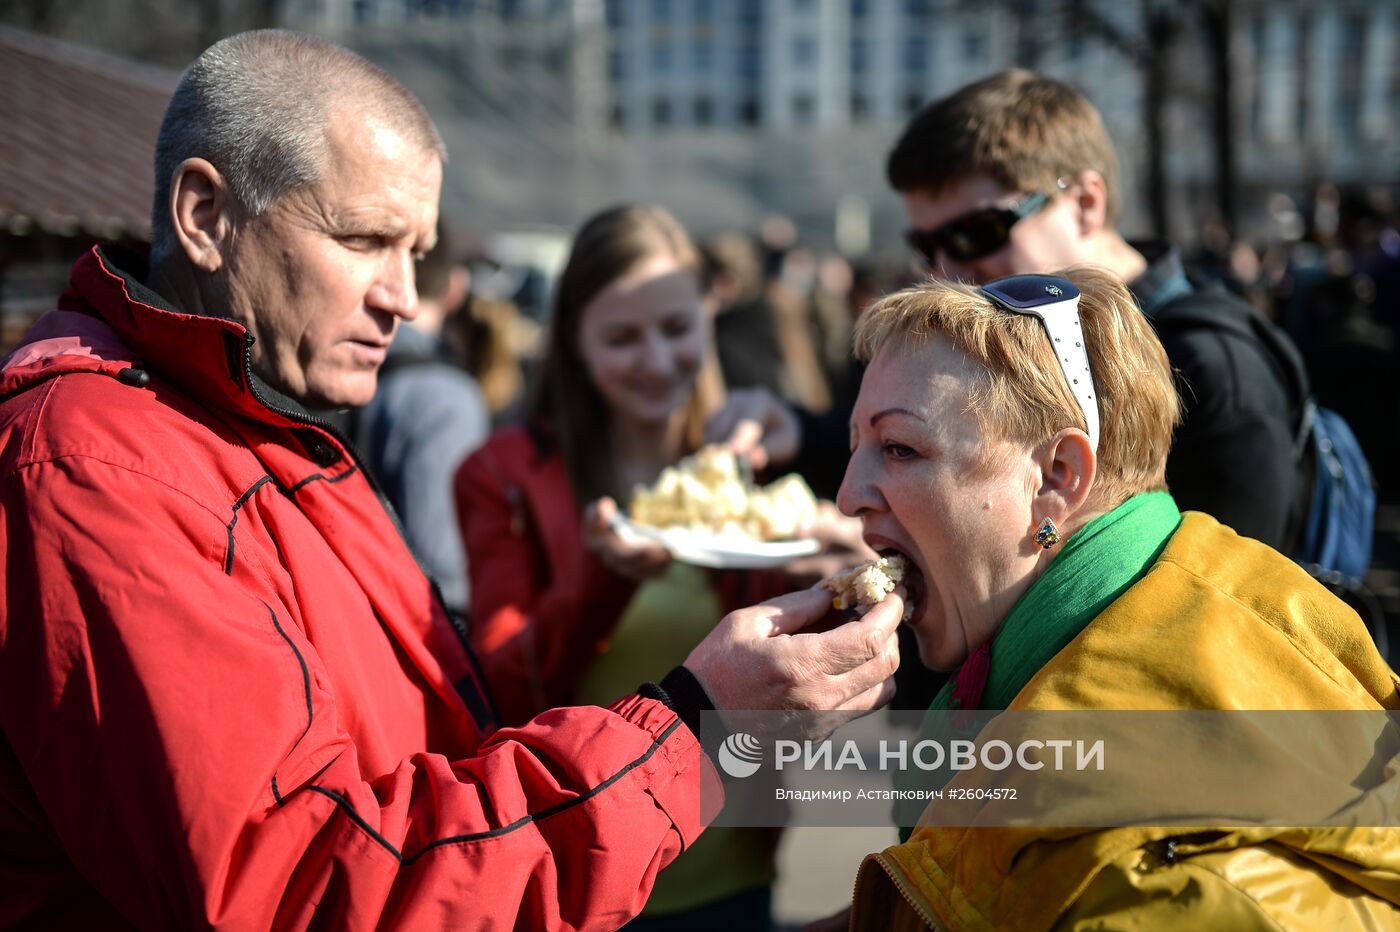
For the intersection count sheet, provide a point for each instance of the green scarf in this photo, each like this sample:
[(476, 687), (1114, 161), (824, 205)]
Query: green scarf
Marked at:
[(1099, 562)]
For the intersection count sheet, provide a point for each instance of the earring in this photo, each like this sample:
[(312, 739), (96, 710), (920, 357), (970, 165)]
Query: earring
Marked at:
[(1047, 535)]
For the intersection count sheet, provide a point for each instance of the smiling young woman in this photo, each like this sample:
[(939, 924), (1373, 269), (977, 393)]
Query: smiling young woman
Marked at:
[(564, 611)]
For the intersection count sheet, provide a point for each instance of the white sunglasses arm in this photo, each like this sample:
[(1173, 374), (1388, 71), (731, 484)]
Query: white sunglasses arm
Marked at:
[(1061, 322)]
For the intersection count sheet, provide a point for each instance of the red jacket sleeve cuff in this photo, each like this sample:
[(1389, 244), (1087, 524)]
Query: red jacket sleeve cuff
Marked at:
[(681, 776)]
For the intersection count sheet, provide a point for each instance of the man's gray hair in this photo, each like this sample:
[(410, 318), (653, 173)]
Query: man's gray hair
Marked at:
[(256, 106)]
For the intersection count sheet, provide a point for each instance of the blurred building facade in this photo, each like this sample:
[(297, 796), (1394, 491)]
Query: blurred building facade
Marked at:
[(1314, 86), (725, 109)]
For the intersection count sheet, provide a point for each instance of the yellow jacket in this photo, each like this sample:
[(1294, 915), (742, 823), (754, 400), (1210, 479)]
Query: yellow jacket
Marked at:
[(1218, 622)]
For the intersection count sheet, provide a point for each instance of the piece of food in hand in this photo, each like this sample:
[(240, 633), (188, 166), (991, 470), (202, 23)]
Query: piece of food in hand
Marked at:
[(863, 586), (706, 492)]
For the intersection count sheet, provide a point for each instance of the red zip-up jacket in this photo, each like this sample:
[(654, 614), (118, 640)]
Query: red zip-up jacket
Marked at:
[(542, 606), (228, 696)]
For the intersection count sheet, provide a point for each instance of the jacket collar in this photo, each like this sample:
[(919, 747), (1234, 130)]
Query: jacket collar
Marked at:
[(209, 356), (1164, 280)]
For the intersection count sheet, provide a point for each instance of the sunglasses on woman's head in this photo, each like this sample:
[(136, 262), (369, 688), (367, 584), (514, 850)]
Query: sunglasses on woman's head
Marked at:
[(1056, 302), (975, 234)]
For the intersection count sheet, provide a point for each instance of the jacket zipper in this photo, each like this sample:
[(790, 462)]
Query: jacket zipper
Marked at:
[(329, 428), (897, 878), (304, 418)]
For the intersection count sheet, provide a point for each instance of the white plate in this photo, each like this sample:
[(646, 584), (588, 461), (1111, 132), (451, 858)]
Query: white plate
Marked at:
[(721, 551)]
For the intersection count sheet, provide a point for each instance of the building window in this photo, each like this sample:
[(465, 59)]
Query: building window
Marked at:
[(860, 108), (1302, 70), (913, 101), (974, 44), (1395, 86), (661, 112), (803, 108), (618, 116), (615, 68), (860, 9), (702, 10), (916, 54), (612, 10), (750, 61), (859, 51), (803, 6), (1258, 31), (749, 112), (704, 111), (916, 9), (751, 12), (804, 51), (702, 55), (1350, 85), (661, 9), (661, 58), (434, 8)]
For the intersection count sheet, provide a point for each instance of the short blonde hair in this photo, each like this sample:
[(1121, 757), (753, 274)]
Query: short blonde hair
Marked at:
[(1023, 397)]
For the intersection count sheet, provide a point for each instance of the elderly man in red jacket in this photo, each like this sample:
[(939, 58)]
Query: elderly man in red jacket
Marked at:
[(228, 697)]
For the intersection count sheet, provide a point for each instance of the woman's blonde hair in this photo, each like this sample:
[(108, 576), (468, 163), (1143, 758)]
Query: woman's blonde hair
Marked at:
[(1023, 397)]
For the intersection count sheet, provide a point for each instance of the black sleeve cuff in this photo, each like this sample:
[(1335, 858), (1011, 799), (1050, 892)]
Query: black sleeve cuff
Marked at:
[(682, 693)]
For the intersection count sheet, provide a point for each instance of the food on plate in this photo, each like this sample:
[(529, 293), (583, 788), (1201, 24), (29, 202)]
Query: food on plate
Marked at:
[(863, 586), (782, 508), (707, 492)]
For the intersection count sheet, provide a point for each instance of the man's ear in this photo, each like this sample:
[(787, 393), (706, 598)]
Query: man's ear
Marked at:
[(201, 213), (1090, 193), (1068, 467)]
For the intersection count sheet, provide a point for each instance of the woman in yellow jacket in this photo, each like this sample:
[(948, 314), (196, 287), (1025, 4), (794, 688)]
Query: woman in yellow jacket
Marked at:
[(1010, 441)]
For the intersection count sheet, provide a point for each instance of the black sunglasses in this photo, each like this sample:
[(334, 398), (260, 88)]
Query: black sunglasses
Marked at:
[(975, 234)]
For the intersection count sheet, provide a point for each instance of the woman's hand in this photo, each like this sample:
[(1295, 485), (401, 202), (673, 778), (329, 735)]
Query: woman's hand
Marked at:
[(755, 423), (843, 545), (630, 556)]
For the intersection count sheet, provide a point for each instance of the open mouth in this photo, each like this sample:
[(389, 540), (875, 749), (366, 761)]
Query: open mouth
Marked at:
[(913, 581)]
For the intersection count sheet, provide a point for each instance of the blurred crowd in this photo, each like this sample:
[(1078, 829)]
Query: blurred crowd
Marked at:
[(1328, 273), (782, 316)]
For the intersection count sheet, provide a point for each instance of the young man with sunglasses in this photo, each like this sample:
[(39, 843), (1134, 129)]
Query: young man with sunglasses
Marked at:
[(1016, 174)]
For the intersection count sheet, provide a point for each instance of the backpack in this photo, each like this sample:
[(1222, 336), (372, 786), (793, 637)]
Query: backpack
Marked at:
[(1337, 532), (1334, 519)]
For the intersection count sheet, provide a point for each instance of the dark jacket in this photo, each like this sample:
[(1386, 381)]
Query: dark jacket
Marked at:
[(1234, 456)]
